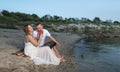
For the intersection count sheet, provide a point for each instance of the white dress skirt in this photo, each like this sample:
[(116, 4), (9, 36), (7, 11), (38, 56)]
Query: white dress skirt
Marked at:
[(42, 55)]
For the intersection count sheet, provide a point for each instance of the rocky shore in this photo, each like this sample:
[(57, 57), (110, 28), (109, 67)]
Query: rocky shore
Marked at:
[(13, 40)]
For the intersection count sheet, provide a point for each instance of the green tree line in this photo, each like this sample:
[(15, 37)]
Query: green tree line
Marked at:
[(19, 18)]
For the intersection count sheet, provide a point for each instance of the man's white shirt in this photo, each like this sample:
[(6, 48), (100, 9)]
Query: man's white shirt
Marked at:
[(45, 34)]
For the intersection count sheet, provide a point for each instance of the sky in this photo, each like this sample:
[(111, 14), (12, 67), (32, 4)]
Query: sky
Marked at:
[(104, 9)]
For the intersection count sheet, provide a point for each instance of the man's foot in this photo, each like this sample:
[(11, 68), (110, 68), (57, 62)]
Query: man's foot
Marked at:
[(63, 59)]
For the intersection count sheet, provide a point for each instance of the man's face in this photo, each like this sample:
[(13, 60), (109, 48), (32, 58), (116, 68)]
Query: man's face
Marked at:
[(39, 27)]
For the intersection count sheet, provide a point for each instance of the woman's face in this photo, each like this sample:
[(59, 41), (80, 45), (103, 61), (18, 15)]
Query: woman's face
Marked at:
[(30, 29)]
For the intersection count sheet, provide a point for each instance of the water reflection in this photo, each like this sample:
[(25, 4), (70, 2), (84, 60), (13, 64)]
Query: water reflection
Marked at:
[(102, 55)]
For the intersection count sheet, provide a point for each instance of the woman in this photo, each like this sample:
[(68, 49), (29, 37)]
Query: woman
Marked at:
[(43, 55)]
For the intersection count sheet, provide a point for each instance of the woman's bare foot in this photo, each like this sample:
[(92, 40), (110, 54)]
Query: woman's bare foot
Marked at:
[(23, 55), (19, 54)]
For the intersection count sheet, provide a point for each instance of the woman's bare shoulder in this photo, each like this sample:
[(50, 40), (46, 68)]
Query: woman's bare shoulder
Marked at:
[(28, 37)]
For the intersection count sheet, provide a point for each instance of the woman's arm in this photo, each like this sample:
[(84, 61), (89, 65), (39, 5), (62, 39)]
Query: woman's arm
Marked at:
[(33, 40)]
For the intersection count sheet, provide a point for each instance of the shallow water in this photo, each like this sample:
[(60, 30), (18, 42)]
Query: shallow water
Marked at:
[(98, 56)]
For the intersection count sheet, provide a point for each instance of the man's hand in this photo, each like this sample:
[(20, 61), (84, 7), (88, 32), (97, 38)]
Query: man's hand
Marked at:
[(58, 45), (54, 40)]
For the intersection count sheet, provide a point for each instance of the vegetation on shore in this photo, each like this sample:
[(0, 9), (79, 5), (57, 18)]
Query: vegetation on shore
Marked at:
[(91, 28)]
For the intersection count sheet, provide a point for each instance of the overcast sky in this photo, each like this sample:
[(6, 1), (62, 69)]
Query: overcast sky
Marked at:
[(104, 9)]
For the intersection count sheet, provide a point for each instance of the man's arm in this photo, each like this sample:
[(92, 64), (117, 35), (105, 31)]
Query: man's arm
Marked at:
[(54, 40)]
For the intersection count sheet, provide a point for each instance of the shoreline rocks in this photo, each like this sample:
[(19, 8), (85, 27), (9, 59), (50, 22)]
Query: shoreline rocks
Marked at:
[(13, 40)]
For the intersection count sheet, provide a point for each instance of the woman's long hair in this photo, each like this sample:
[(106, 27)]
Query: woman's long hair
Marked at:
[(25, 28)]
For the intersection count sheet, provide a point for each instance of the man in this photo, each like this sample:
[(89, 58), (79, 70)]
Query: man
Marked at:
[(45, 32)]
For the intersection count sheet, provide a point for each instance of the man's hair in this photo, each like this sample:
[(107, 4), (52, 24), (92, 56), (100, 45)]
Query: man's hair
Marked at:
[(38, 23)]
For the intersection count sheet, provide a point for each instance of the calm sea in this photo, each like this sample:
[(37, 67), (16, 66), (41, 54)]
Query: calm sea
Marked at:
[(98, 56)]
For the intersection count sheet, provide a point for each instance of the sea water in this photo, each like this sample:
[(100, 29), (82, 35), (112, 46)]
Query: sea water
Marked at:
[(98, 55)]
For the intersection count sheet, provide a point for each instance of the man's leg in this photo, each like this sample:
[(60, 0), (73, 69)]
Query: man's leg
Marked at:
[(56, 52), (52, 45)]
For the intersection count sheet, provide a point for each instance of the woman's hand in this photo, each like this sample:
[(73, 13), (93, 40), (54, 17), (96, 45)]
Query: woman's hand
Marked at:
[(40, 33), (41, 36)]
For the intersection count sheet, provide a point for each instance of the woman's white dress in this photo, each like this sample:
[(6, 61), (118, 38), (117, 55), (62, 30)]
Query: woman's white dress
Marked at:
[(42, 55)]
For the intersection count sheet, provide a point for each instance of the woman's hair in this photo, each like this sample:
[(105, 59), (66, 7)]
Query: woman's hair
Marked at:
[(25, 28)]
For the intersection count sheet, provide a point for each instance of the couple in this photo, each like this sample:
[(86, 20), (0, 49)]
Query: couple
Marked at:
[(35, 49)]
